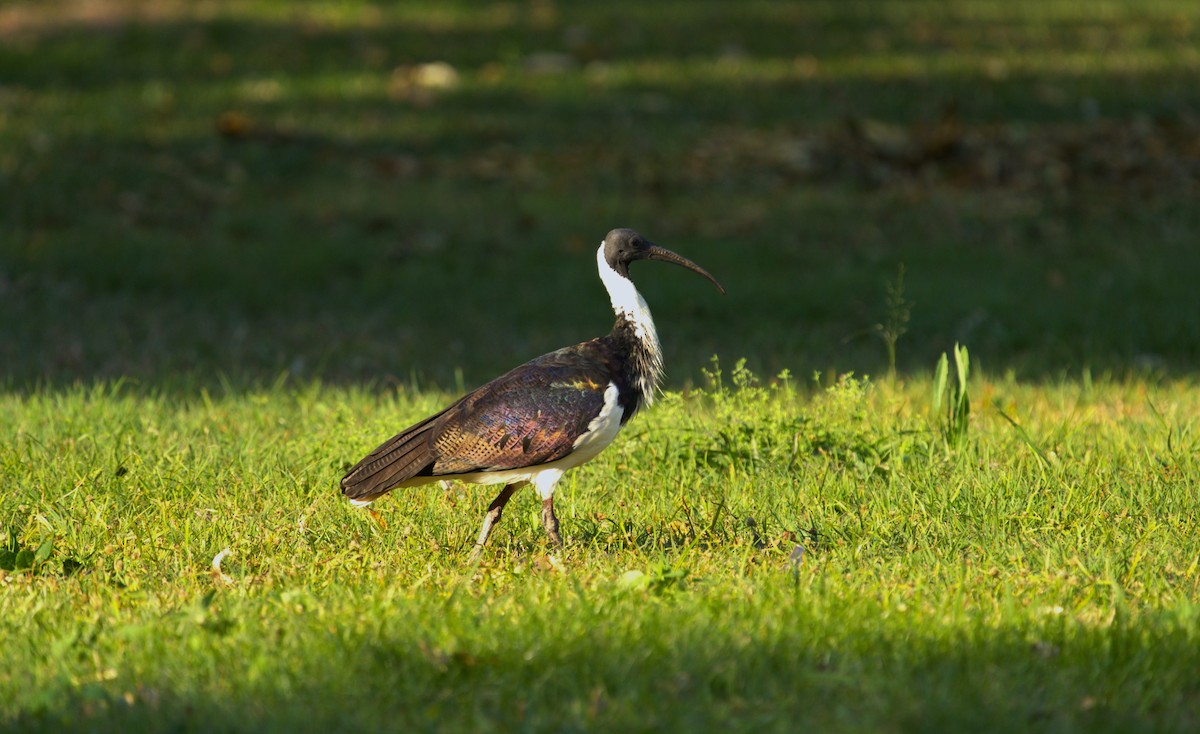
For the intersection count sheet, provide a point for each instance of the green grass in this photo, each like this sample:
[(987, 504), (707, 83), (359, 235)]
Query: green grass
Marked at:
[(239, 246), (982, 587)]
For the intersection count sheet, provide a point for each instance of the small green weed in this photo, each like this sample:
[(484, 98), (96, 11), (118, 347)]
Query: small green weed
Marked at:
[(838, 425), (15, 558), (895, 322), (951, 397)]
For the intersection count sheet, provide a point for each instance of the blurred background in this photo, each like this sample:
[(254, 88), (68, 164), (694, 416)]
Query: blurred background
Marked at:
[(228, 191)]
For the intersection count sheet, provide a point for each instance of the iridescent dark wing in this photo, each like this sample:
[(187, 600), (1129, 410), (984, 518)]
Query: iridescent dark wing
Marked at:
[(529, 416)]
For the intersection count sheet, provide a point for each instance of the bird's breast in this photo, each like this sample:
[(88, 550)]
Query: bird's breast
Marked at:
[(602, 429)]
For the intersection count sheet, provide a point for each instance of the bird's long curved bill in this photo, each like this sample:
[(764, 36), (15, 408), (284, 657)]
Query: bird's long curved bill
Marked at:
[(661, 253)]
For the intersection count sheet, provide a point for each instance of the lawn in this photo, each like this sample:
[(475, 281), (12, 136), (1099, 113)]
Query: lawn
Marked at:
[(243, 242)]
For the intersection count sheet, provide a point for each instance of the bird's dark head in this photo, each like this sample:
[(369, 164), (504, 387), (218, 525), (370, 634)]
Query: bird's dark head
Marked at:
[(623, 246)]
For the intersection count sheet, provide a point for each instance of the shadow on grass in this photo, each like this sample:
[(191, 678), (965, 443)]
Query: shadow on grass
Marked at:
[(1122, 678), (235, 198)]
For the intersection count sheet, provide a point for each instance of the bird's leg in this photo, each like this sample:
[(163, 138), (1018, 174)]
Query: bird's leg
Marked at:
[(544, 482), (550, 522), (493, 516)]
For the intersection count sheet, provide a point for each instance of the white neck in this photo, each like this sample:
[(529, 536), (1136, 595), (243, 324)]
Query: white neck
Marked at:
[(629, 304)]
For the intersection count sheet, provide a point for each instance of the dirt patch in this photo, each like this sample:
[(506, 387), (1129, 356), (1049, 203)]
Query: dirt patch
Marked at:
[(1142, 153)]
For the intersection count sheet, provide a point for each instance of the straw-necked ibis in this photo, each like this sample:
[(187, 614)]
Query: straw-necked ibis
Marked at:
[(539, 420)]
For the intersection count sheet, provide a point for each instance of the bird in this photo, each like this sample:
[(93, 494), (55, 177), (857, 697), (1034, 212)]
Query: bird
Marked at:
[(549, 415)]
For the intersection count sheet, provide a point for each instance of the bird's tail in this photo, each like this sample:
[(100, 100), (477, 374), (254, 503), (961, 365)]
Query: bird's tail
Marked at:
[(406, 455)]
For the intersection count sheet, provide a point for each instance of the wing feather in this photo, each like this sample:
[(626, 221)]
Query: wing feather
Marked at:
[(530, 416)]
